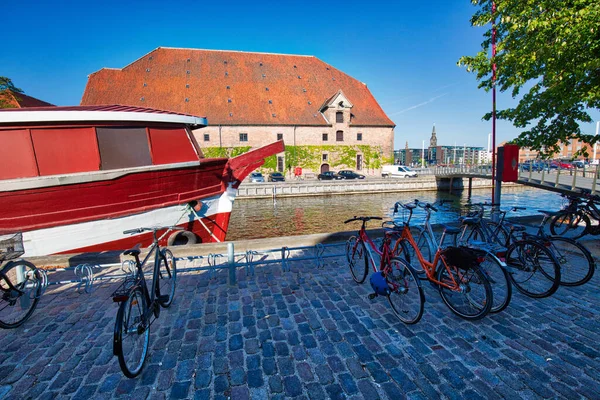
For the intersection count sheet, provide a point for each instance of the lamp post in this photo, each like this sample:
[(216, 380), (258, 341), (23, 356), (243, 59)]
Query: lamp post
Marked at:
[(454, 159), (423, 155), (597, 129)]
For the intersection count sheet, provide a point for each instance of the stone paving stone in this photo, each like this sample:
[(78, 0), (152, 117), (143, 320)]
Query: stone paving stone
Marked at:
[(309, 334)]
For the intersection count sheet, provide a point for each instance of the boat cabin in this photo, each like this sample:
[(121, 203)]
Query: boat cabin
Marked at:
[(46, 141)]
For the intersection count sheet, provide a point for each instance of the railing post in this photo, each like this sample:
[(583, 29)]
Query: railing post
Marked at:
[(543, 174), (594, 180), (574, 179), (530, 169), (231, 262), (557, 176)]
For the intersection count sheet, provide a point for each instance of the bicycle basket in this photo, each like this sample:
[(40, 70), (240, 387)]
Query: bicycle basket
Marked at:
[(460, 257), (11, 246)]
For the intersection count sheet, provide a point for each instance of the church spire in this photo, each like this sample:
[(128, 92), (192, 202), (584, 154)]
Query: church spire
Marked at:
[(433, 140)]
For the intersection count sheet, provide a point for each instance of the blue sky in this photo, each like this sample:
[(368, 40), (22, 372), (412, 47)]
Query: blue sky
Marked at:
[(405, 51)]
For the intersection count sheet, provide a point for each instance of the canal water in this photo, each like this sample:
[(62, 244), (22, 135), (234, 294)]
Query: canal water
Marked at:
[(263, 218)]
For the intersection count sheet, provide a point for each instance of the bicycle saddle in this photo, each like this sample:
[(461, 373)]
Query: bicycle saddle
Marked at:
[(451, 230), (469, 220), (135, 251)]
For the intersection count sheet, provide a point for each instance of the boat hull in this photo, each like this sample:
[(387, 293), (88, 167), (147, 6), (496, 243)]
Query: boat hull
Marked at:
[(208, 221)]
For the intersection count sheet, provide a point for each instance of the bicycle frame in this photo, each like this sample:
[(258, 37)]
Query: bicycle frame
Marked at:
[(385, 255), (428, 267)]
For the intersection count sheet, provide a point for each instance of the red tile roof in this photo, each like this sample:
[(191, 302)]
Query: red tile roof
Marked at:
[(20, 100), (234, 88)]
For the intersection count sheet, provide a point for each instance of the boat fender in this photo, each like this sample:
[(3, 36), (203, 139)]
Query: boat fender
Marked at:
[(182, 238)]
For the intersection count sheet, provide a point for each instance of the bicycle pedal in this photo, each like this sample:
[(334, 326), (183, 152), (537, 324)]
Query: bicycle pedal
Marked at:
[(372, 296), (164, 298)]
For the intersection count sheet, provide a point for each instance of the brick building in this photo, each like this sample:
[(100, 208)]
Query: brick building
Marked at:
[(567, 151), (326, 118)]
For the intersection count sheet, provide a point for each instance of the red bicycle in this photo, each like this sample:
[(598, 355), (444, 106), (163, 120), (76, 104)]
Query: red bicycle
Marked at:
[(395, 278)]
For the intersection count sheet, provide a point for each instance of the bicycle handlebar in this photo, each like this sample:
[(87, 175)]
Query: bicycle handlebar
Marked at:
[(153, 229), (363, 219)]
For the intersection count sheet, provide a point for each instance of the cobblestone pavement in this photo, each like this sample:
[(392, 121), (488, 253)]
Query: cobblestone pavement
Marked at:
[(308, 333)]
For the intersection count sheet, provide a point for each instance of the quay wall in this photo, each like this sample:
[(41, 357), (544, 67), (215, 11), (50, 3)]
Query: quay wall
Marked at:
[(324, 188)]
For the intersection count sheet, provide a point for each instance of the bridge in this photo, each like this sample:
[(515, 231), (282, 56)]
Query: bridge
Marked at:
[(569, 182)]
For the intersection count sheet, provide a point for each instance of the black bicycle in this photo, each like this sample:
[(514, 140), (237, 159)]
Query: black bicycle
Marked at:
[(140, 306), (579, 218), (20, 283)]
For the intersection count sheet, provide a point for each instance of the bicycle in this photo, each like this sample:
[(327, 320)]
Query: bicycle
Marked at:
[(492, 266), (580, 217), (533, 267), (394, 279), (577, 265), (20, 283), (139, 306), (455, 271)]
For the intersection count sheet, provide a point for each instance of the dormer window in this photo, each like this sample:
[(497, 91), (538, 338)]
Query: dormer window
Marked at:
[(339, 117)]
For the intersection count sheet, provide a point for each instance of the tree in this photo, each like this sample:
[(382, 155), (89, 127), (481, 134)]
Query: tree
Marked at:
[(550, 51), (7, 84)]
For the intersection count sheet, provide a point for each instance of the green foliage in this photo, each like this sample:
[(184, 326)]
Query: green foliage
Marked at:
[(7, 84), (310, 157), (224, 152), (549, 50)]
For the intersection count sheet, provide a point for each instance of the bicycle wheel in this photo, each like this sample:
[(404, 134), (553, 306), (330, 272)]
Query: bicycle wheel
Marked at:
[(472, 233), (533, 269), (131, 339), (406, 296), (571, 224), (167, 277), (577, 265), (473, 299), (499, 280), (20, 291), (424, 243), (356, 254)]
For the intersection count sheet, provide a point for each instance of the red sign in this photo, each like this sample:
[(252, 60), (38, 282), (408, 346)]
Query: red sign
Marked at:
[(510, 169)]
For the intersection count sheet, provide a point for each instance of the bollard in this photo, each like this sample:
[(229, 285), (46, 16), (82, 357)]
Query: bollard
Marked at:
[(231, 261), (574, 183)]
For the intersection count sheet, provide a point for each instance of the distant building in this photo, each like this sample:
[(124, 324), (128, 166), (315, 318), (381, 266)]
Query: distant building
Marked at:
[(567, 151), (441, 155), (10, 99), (326, 118)]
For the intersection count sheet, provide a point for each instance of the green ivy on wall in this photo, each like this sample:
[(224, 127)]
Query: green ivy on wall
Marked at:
[(311, 157)]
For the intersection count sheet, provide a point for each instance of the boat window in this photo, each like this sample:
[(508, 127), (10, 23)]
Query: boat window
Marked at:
[(17, 159), (65, 150), (171, 146), (123, 147)]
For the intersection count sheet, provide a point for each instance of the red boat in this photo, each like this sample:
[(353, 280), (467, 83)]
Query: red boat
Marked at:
[(72, 179)]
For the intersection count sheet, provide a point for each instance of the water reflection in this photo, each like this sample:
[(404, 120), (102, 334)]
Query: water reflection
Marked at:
[(262, 218)]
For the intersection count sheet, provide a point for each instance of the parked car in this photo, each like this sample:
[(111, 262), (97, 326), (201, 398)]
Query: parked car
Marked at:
[(276, 177), (397, 171), (532, 165), (256, 177), (329, 175), (579, 164), (347, 174), (565, 165)]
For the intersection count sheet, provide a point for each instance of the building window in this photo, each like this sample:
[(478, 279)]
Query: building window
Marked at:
[(280, 136), (359, 137), (339, 117), (280, 164), (206, 137), (324, 157), (243, 137), (325, 137), (359, 162), (339, 136)]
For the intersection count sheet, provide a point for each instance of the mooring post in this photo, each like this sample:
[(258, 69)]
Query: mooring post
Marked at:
[(231, 261), (451, 183), (470, 186)]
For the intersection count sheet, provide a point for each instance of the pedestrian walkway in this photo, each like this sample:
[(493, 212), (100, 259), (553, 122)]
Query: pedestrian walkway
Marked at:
[(307, 333)]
